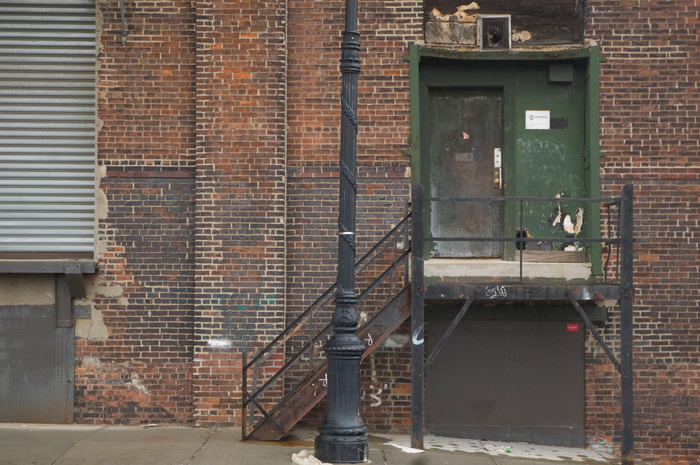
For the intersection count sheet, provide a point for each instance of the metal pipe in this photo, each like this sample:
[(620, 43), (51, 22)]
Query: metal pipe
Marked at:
[(523, 244), (627, 324), (417, 319), (244, 379)]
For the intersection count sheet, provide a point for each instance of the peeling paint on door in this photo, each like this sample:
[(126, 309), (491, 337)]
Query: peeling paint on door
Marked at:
[(465, 129)]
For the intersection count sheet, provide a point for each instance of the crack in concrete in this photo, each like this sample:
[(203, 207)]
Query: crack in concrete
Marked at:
[(206, 441), (76, 442)]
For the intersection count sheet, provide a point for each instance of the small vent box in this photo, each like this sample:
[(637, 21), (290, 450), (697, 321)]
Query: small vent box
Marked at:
[(494, 32)]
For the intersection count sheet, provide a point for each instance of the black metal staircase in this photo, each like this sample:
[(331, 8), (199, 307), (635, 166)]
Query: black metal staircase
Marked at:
[(277, 395), (287, 378)]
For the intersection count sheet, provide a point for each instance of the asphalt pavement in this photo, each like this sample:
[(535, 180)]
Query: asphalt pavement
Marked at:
[(178, 445)]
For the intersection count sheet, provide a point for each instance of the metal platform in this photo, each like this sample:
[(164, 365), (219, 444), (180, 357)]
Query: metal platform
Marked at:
[(439, 293)]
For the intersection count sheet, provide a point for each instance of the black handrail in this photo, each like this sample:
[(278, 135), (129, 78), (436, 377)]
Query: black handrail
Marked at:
[(612, 200), (606, 202), (616, 240), (319, 336), (359, 267)]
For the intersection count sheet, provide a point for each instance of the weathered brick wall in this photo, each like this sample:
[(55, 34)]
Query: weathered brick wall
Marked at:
[(134, 357), (217, 169), (314, 82), (650, 102), (240, 195), (194, 160)]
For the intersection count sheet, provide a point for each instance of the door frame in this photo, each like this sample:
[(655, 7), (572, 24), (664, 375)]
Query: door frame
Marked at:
[(424, 74)]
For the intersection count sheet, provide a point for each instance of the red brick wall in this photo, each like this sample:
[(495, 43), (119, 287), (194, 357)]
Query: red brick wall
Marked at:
[(314, 81), (139, 368), (217, 170), (240, 194), (650, 102)]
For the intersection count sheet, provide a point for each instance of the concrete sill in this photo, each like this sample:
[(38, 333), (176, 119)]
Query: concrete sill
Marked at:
[(45, 266), (497, 268)]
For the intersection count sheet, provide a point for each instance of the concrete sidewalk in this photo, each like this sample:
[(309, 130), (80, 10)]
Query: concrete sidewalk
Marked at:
[(168, 445)]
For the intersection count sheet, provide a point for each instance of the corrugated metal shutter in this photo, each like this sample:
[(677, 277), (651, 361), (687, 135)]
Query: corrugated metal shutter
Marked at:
[(47, 126)]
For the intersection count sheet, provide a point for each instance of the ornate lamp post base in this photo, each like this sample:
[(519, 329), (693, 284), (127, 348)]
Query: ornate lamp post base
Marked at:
[(342, 437), (342, 449)]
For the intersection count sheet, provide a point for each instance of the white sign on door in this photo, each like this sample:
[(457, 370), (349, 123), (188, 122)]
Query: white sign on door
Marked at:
[(535, 119)]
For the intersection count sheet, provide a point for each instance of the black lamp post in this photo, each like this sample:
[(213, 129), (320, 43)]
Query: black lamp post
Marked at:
[(342, 435)]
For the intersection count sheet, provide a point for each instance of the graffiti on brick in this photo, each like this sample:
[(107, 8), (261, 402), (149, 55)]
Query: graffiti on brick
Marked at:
[(323, 381), (374, 394), (237, 323)]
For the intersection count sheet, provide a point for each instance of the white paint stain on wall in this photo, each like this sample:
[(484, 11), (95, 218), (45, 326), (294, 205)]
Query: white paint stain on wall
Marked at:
[(396, 341), (374, 393), (138, 385), (521, 36), (90, 361)]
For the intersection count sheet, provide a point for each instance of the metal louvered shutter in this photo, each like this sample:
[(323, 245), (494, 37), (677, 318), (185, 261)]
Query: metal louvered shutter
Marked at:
[(47, 126)]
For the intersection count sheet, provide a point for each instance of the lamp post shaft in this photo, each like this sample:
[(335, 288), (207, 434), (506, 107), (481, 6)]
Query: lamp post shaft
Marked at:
[(342, 435)]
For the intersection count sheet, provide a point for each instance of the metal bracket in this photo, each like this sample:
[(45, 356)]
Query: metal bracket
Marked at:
[(450, 329), (69, 285), (74, 278), (589, 324), (64, 310)]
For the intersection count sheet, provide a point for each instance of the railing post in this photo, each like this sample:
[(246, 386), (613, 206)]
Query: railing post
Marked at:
[(417, 318), (524, 243), (244, 379), (627, 323)]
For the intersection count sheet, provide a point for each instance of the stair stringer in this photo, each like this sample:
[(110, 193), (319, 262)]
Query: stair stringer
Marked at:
[(312, 390)]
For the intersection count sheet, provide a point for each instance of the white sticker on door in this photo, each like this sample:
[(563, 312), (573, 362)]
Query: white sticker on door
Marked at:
[(535, 119)]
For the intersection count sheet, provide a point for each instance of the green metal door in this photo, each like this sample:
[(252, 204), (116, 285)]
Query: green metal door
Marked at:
[(465, 131), (535, 111), (549, 153)]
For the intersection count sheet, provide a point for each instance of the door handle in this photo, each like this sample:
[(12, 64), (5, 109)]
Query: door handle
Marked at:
[(497, 170)]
